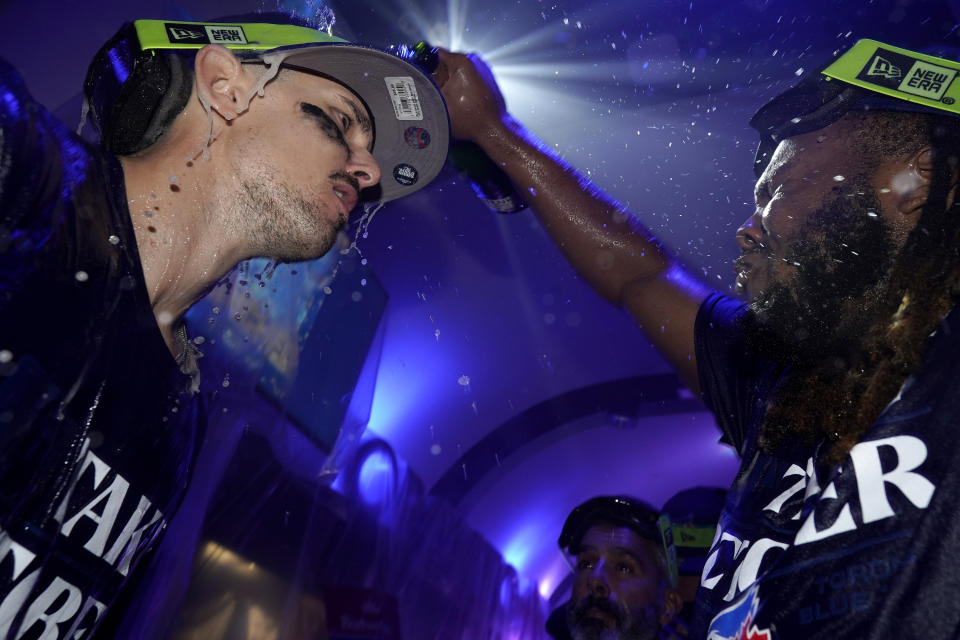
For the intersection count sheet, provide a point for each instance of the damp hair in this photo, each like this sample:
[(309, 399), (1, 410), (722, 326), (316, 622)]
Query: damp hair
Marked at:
[(173, 70), (820, 402)]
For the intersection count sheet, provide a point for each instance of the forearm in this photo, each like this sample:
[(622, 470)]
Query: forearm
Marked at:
[(607, 245)]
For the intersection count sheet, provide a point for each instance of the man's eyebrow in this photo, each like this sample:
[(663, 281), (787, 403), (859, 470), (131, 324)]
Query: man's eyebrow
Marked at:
[(325, 122)]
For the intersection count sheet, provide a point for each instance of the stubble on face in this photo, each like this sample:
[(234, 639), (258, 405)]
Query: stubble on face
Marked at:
[(628, 624), (284, 225), (838, 270)]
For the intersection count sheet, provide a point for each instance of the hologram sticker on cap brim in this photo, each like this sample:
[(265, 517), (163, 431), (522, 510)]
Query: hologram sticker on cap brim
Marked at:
[(403, 94)]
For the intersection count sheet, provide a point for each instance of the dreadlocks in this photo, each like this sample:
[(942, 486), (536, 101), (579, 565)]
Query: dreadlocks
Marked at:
[(838, 397)]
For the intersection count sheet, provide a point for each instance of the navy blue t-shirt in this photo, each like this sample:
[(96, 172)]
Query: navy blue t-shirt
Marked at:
[(866, 549), (97, 427)]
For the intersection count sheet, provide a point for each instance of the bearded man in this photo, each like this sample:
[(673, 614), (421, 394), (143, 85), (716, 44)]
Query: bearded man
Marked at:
[(622, 584), (837, 380)]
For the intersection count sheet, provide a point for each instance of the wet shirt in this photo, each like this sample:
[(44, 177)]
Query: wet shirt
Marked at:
[(866, 549), (97, 426)]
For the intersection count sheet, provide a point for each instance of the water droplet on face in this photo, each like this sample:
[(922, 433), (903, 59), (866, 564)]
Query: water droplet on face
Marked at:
[(164, 317), (114, 240), (174, 179), (81, 276)]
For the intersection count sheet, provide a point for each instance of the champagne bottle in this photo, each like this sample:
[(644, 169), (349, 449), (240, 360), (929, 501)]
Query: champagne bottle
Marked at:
[(489, 181)]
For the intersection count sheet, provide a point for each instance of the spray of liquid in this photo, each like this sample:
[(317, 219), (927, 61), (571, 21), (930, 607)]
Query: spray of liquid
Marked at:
[(370, 210), (272, 62), (316, 12)]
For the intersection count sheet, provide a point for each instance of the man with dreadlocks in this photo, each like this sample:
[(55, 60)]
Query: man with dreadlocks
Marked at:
[(836, 381)]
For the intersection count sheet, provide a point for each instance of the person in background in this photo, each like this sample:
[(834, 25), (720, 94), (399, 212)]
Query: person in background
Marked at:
[(621, 579), (692, 516)]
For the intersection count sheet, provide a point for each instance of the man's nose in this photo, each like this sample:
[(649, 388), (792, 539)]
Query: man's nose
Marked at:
[(362, 166), (598, 581), (750, 234)]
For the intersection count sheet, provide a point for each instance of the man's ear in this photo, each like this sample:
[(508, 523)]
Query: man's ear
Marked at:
[(222, 82), (672, 604)]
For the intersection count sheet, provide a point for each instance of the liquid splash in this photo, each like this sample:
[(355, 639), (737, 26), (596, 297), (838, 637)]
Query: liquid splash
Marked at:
[(370, 210), (319, 14)]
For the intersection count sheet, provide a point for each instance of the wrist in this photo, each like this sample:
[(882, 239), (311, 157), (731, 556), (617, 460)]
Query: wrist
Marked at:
[(498, 132)]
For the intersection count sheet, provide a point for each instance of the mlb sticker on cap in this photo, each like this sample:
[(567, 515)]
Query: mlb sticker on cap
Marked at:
[(405, 174), (403, 94), (417, 137)]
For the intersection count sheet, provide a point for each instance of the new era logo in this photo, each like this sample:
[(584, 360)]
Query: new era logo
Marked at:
[(884, 68), (907, 74), (927, 80), (181, 34), (225, 35), (205, 34)]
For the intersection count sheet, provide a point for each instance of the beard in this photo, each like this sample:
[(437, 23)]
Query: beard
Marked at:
[(629, 624), (283, 225), (843, 258)]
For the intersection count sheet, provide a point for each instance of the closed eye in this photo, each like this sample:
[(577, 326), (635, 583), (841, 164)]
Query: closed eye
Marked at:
[(345, 121), (329, 127), (761, 194)]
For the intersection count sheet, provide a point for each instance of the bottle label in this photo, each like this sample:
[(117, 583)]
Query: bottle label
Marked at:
[(403, 94)]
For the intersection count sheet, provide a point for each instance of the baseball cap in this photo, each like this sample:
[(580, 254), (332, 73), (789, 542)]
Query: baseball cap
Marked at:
[(621, 511), (692, 515), (133, 83), (870, 75)]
